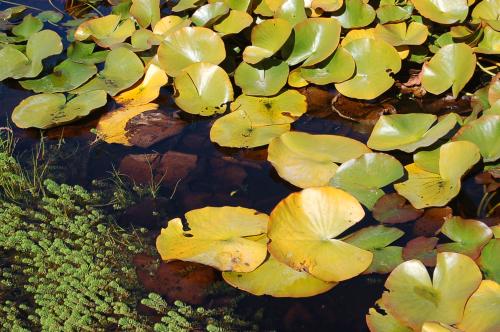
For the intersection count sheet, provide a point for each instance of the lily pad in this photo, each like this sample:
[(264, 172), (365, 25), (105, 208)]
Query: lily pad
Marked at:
[(307, 160), (29, 26), (424, 189), (488, 261), (422, 248), (485, 133), (190, 45), (335, 69), (394, 209), (370, 81), (206, 15), (327, 5), (147, 91), (364, 176), (378, 322), (106, 31), (146, 12), (267, 38), (217, 237), (413, 299), (444, 12), (291, 10), (263, 79), (452, 66), (408, 132), (203, 88), (235, 22), (278, 280), (315, 39), (398, 34), (169, 24), (50, 110), (389, 12), (303, 228), (468, 236), (84, 53), (481, 311), (255, 121), (357, 14), (121, 70), (68, 75), (488, 11), (490, 42)]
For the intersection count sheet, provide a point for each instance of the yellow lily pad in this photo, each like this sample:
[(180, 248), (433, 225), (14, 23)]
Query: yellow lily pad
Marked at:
[(106, 31), (303, 228), (203, 88), (146, 12), (398, 34), (267, 38), (307, 160), (481, 311), (255, 121), (444, 12), (169, 24), (278, 280), (413, 299), (217, 237), (147, 91), (485, 133), (235, 22)]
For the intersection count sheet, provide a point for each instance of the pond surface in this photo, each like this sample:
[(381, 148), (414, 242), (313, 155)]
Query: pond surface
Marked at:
[(206, 175)]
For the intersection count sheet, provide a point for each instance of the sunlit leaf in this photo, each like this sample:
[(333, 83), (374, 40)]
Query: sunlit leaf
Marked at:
[(398, 34), (468, 236), (235, 22), (444, 12), (267, 38), (378, 322), (357, 14), (485, 133), (147, 91), (84, 53), (106, 31), (217, 237), (337, 68), (49, 110), (263, 79), (168, 24), (303, 228), (327, 5), (481, 311), (488, 261), (207, 14), (146, 12)]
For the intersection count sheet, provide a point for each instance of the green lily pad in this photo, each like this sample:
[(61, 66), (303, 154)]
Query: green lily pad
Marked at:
[(50, 16), (84, 53), (235, 22), (146, 12), (106, 31), (389, 12), (291, 10), (278, 280), (263, 79), (267, 38), (481, 311), (203, 88), (315, 39), (398, 34), (307, 160), (385, 260), (218, 237), (186, 4), (68, 75), (122, 69), (444, 12), (490, 43), (374, 237), (488, 261), (50, 110), (468, 236), (413, 299), (303, 229), (370, 81), (190, 45), (364, 176), (255, 121), (327, 5), (488, 11), (408, 132), (378, 322), (357, 14), (424, 189), (485, 133), (335, 69), (24, 30), (452, 66), (208, 14)]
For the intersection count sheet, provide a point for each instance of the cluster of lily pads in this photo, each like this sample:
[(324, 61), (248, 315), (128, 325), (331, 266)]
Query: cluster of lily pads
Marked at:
[(262, 51)]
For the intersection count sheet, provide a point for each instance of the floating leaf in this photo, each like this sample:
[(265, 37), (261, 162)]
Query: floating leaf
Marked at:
[(68, 75), (255, 121), (432, 221), (394, 209), (169, 24), (267, 38), (337, 68), (121, 70), (444, 12), (378, 322), (207, 14), (423, 249), (452, 66), (485, 133), (481, 311), (203, 88), (315, 39), (50, 16), (307, 160), (190, 45), (29, 26), (437, 327), (357, 14), (488, 261), (49, 110), (398, 34), (424, 189), (263, 79), (147, 91), (488, 11), (303, 228), (490, 43), (112, 126), (408, 132), (370, 81), (469, 236), (291, 10), (278, 280), (414, 299), (106, 31), (389, 12), (235, 22), (146, 12), (364, 176), (217, 237), (84, 53), (385, 260), (185, 4)]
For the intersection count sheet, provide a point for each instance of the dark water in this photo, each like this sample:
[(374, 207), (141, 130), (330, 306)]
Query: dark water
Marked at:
[(246, 180)]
